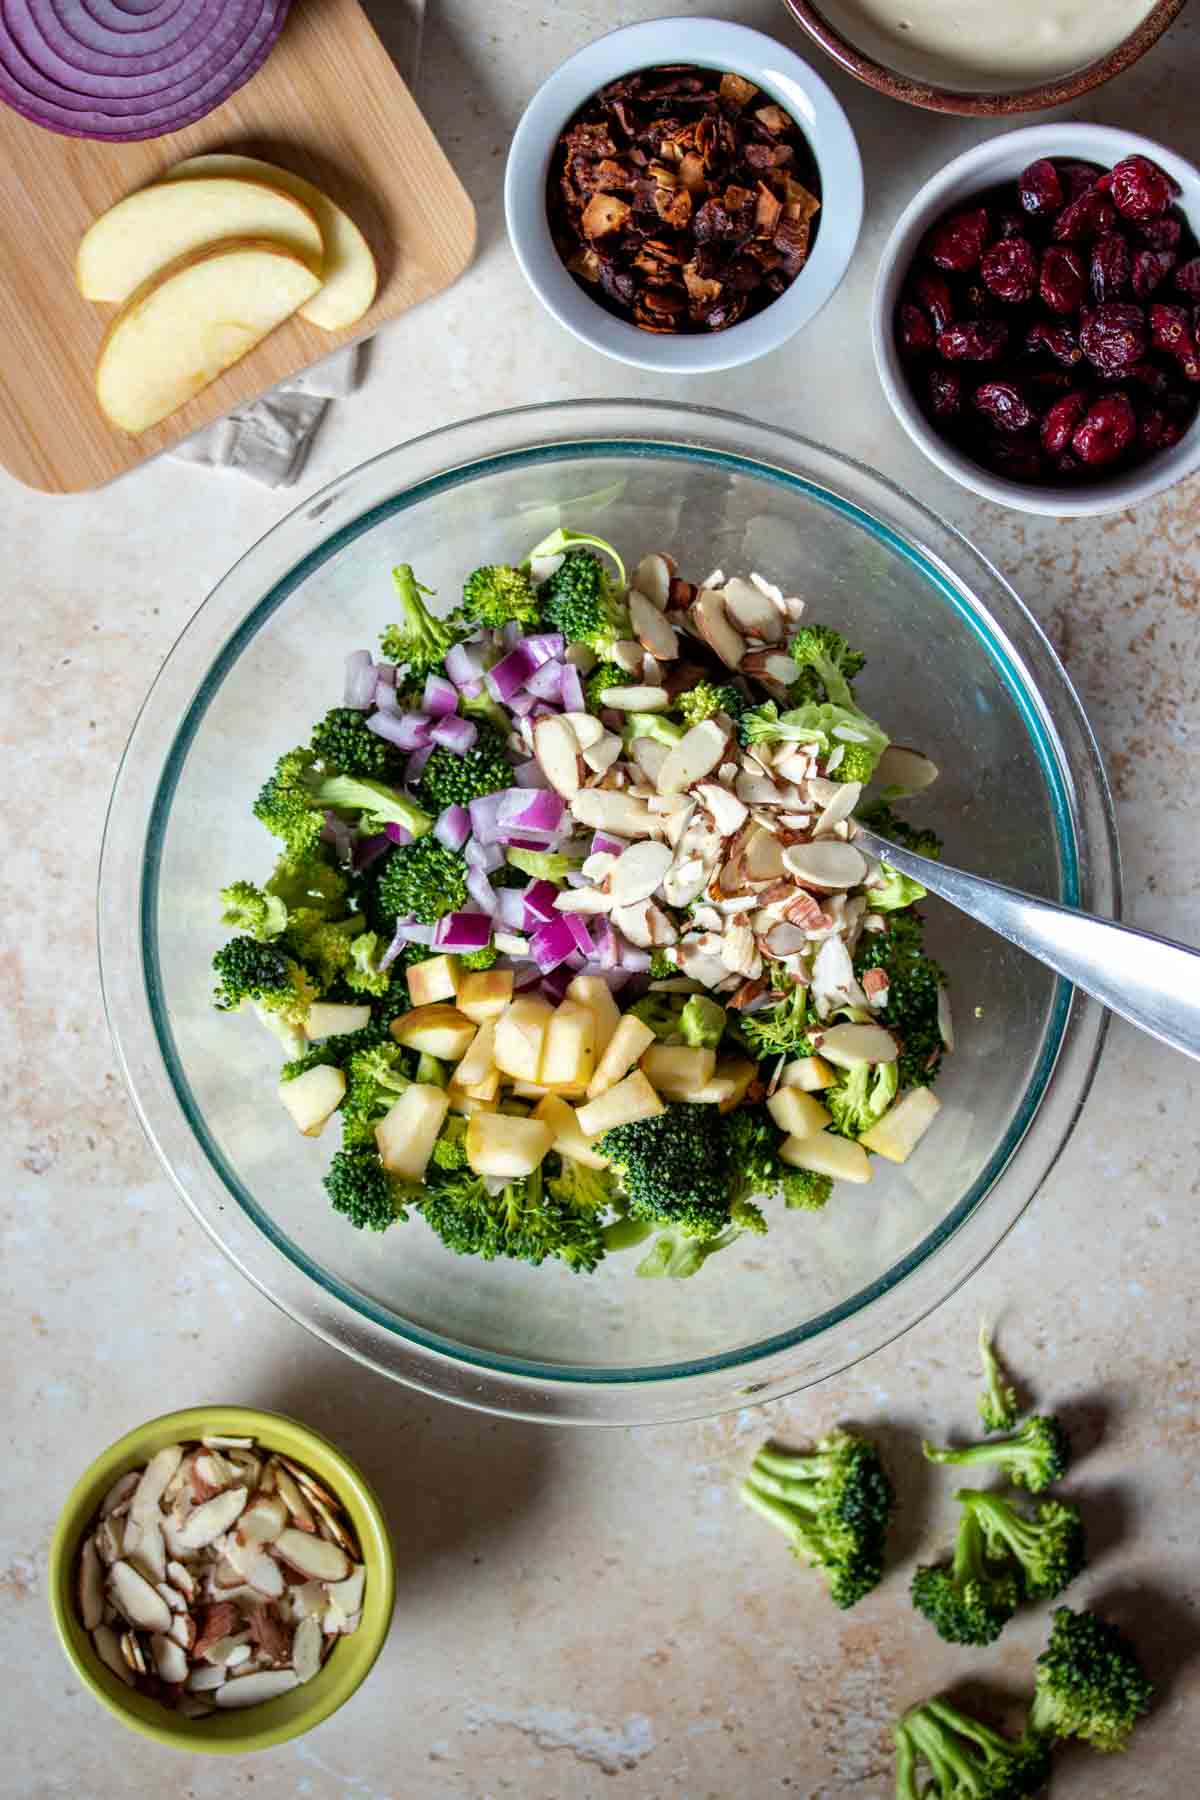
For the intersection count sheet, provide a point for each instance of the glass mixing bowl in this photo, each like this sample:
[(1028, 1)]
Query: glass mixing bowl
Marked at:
[(955, 665)]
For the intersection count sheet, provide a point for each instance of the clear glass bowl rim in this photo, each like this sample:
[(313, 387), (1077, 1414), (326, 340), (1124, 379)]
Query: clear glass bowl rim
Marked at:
[(174, 708)]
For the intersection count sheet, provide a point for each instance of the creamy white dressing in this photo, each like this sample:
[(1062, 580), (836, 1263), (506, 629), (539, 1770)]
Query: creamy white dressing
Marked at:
[(989, 44)]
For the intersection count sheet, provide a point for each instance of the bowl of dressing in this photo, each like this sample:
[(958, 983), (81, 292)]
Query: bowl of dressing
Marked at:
[(977, 57)]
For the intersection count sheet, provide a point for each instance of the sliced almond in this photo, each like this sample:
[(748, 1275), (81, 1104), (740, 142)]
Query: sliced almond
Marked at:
[(586, 726), (172, 1596), (771, 667), (602, 809), (131, 1650), (212, 1518), (312, 1556), (137, 1600), (652, 577), (120, 1493), (306, 1648), (154, 1479), (250, 1690), (644, 925), (658, 638), (309, 1482), (700, 962), (204, 1678), (697, 754), (751, 611), (108, 1540), (293, 1499), (638, 872), (239, 1655), (91, 1586), (269, 1632), (905, 769), (709, 621), (762, 857), (217, 1621), (183, 1630), (584, 900), (348, 1594), (170, 1659), (728, 812), (740, 953), (839, 808), (148, 1550), (649, 754), (638, 699), (628, 654), (684, 881), (601, 756), (182, 1579), (331, 1525), (307, 1598), (557, 751), (262, 1520), (257, 1567), (108, 1649), (827, 866)]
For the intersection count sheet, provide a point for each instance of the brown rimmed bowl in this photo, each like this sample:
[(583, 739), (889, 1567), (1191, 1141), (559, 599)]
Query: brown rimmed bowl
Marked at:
[(993, 103)]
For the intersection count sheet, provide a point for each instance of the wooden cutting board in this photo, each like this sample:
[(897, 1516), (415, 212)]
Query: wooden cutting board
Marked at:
[(328, 103)]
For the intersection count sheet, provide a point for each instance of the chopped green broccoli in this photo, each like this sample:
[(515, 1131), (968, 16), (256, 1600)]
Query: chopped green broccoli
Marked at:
[(478, 959), (827, 666), (422, 881), (691, 1019), (806, 1191), (375, 1079), (856, 763), (323, 945), (882, 817), (780, 1030), (605, 675), (579, 599), (252, 911), (562, 542), (823, 725), (834, 1503), (676, 1255), (967, 1760), (543, 865), (894, 891), (911, 1012), (450, 1149), (582, 1188), (970, 1600), (661, 1013), (455, 778), (861, 1097), (651, 725), (672, 1168), (360, 1187), (1046, 1552), (1089, 1683), (335, 1052), (998, 1400), (314, 882), (343, 745), (419, 641), (498, 595), (524, 1220), (363, 975), (1034, 1457), (293, 802), (702, 701), (264, 976), (662, 966)]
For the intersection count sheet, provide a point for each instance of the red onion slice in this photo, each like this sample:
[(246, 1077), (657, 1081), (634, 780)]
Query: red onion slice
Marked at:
[(546, 683), (488, 857), (482, 892), (510, 908), (552, 943), (150, 67), (572, 690), (464, 664)]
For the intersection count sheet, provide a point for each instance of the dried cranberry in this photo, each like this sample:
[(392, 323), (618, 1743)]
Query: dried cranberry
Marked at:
[(1004, 404), (1170, 327), (1078, 177), (945, 393), (1187, 277), (932, 291), (1063, 284), (1106, 431), (1019, 459), (1149, 376), (1039, 188), (1159, 234), (1045, 385), (1059, 340), (1010, 271), (1152, 422), (1058, 426), (913, 330), (1110, 266), (1085, 218), (974, 340), (1113, 337), (1150, 270), (1009, 224), (958, 242), (1140, 189)]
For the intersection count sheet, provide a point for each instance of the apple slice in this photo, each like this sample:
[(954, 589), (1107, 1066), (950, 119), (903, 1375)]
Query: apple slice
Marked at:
[(350, 273), (190, 322), (144, 232)]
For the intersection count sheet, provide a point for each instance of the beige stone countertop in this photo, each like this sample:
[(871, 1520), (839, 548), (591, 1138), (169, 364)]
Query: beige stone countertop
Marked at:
[(584, 1614)]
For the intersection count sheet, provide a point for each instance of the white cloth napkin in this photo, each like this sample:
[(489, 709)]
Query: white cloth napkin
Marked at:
[(269, 440)]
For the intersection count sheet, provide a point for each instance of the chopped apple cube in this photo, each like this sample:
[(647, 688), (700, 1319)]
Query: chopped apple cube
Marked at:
[(594, 991), (809, 1073), (850, 1045), (677, 1071), (569, 1139), (903, 1126), (467, 1104), (406, 1134), (483, 993), (796, 1112), (741, 1071), (313, 1097), (630, 1099), (569, 1052), (479, 1058), (440, 1031), (500, 1144), (487, 1089), (825, 1154), (437, 978), (629, 1042), (520, 1035), (330, 1018)]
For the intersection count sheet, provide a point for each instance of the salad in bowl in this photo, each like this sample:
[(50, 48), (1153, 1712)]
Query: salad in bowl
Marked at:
[(569, 939)]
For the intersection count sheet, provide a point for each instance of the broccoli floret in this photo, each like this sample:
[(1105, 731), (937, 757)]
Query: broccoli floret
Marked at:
[(314, 882), (524, 1220), (661, 1013), (450, 1149), (970, 1600), (419, 641), (651, 725), (375, 1079), (324, 946), (677, 1255), (856, 763), (422, 881), (825, 725), (451, 778), (751, 1147), (827, 666), (806, 1191), (672, 1168), (998, 1401), (363, 974), (895, 891), (1046, 1552), (702, 701), (478, 959), (344, 746), (360, 1187), (662, 966), (882, 817), (335, 1052), (605, 675), (1089, 1683), (264, 976), (582, 1188), (293, 803), (911, 1011), (780, 1030), (967, 1760), (542, 865), (702, 1022), (862, 1096), (1034, 1457), (835, 1505), (253, 911), (580, 600), (498, 595)]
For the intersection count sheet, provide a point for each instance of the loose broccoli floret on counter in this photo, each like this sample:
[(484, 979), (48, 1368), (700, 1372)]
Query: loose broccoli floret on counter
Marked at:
[(253, 911), (604, 676), (498, 595), (1046, 1552), (419, 641), (543, 865), (422, 881), (1089, 1683), (970, 1600), (651, 725), (911, 1011), (834, 1504), (998, 1401), (344, 746), (880, 816), (780, 1030), (967, 1760), (827, 666), (1034, 1457), (453, 779), (524, 1220), (292, 804), (580, 599), (375, 1079), (861, 1097), (265, 977), (702, 701), (361, 1189), (671, 1168)]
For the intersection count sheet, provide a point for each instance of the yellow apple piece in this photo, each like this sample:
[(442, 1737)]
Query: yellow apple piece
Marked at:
[(678, 1071), (501, 1144), (350, 273), (437, 978), (440, 1031), (483, 993), (466, 1104), (408, 1131), (594, 991), (487, 1090), (809, 1073), (144, 232), (824, 1154), (313, 1098), (479, 1058), (630, 1099), (569, 1052), (903, 1126), (329, 1018), (520, 1035), (628, 1045), (569, 1140), (796, 1112), (190, 322)]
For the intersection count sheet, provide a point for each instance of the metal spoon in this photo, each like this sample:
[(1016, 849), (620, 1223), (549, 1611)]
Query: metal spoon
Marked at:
[(1149, 980)]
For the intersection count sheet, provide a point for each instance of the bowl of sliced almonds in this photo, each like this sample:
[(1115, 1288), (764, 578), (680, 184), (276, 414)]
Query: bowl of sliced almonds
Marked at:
[(222, 1579)]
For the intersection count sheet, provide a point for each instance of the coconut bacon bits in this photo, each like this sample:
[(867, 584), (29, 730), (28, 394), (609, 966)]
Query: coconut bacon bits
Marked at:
[(683, 199)]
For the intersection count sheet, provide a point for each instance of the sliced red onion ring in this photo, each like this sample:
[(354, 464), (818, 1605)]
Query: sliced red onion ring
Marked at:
[(572, 690), (551, 943), (521, 705), (539, 898), (488, 857), (361, 681), (515, 837), (605, 844), (455, 734), (440, 697), (464, 664), (407, 932), (453, 827), (464, 931), (399, 834), (546, 683), (482, 892), (408, 731)]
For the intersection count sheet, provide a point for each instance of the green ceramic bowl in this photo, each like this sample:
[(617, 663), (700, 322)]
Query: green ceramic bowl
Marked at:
[(347, 1666)]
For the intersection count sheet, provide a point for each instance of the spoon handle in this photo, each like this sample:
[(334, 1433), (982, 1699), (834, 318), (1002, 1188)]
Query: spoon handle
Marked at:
[(1149, 980)]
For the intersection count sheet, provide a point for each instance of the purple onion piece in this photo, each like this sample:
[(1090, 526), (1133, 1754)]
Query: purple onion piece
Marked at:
[(533, 809), (547, 645), (415, 767), (539, 898), (482, 892), (604, 938), (605, 844), (546, 683), (463, 931), (455, 734), (359, 690), (555, 985), (399, 834), (367, 850), (463, 663), (408, 731), (530, 774), (488, 857), (551, 943), (572, 690), (512, 672), (453, 827), (581, 934), (521, 705), (510, 909)]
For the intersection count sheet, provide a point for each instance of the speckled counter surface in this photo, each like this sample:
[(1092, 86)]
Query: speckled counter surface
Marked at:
[(583, 1614)]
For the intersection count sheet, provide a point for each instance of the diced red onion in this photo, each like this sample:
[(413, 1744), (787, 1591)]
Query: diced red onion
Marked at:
[(367, 850), (604, 938), (399, 834), (551, 943), (414, 768), (386, 673), (577, 961), (482, 892), (359, 688), (546, 683), (630, 957), (408, 731), (411, 931), (453, 827), (530, 774), (572, 690), (533, 809), (525, 975), (464, 931), (539, 898), (546, 645), (335, 831), (385, 698), (581, 934), (605, 844), (510, 908), (471, 690), (512, 672), (515, 837), (555, 985), (510, 635), (463, 663), (455, 733), (521, 705), (439, 697)]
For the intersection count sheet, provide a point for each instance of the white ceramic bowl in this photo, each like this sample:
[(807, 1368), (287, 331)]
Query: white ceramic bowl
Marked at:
[(709, 44), (985, 166)]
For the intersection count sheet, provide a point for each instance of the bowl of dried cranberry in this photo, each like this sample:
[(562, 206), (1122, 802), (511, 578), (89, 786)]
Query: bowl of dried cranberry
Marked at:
[(684, 195), (1037, 316)]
